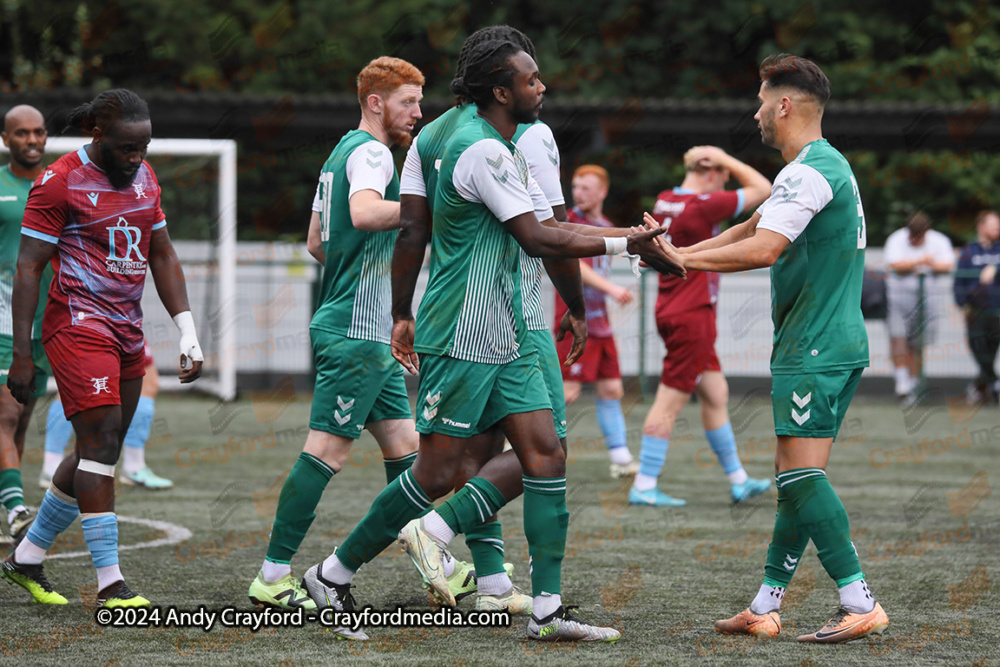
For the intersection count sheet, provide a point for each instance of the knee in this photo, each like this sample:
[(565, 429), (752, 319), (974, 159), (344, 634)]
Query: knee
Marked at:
[(545, 461), (659, 428), (435, 481), (612, 391)]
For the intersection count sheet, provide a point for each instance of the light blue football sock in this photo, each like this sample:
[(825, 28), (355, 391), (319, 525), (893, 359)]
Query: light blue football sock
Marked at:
[(723, 443), (54, 516), (612, 422), (652, 455), (142, 422), (58, 429), (101, 533)]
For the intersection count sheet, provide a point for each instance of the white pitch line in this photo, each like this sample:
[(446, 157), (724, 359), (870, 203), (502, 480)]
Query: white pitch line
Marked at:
[(174, 535)]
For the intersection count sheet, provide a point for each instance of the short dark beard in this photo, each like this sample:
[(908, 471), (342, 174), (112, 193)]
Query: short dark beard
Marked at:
[(119, 179), (524, 116), (768, 132), (28, 166)]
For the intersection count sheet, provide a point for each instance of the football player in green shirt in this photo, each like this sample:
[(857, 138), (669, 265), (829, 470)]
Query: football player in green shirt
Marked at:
[(24, 134), (811, 232), (358, 383), (477, 365)]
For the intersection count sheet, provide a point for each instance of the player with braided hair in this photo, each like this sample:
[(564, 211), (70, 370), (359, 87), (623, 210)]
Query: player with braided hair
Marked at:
[(95, 214), (479, 369), (418, 184)]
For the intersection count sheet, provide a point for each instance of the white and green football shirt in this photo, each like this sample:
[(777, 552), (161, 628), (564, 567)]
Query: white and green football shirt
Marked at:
[(472, 308), (355, 295), (816, 282), (535, 140)]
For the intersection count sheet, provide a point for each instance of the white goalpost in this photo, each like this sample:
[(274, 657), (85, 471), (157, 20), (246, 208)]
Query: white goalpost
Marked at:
[(209, 268)]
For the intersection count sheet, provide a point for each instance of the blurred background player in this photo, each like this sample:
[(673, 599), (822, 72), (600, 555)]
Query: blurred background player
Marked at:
[(358, 384), (685, 318), (95, 214), (134, 471), (24, 134), (811, 232), (977, 293), (913, 255), (599, 363)]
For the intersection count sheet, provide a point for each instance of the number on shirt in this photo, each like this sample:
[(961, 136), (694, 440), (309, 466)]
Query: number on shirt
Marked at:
[(325, 192), (666, 225), (862, 232)]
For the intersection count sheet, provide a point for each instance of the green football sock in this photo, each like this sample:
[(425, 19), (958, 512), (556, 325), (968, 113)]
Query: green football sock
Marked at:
[(788, 542), (11, 490), (401, 501), (821, 514), (474, 503), (546, 522), (396, 467), (300, 494), (467, 512)]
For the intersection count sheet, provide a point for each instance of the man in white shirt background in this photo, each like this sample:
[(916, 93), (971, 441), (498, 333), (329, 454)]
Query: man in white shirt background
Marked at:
[(914, 254)]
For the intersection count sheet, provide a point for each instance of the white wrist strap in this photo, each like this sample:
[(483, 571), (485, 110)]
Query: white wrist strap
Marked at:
[(185, 323), (615, 246)]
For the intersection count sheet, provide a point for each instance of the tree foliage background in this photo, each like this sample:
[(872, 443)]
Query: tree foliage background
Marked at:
[(927, 51)]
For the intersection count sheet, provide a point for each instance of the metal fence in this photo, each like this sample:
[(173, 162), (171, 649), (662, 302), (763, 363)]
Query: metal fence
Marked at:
[(276, 284)]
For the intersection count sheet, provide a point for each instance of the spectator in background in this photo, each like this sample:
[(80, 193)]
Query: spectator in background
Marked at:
[(599, 363), (911, 252), (977, 292)]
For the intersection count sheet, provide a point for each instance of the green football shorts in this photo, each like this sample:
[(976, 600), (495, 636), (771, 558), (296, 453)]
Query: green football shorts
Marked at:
[(812, 406), (551, 366), (42, 367), (463, 398), (357, 383)]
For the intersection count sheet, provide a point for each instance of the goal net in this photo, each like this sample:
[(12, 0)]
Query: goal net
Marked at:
[(198, 184)]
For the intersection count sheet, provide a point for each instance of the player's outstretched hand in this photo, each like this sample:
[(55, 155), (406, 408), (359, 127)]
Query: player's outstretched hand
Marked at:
[(578, 328), (402, 345), (644, 244), (21, 378), (190, 369)]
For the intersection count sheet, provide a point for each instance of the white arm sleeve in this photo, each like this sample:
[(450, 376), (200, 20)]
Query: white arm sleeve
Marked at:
[(411, 181), (799, 193), (369, 168), (540, 150), (543, 211), (317, 206), (486, 173)]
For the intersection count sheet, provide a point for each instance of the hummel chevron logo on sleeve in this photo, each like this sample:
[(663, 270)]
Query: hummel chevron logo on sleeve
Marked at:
[(801, 402), (497, 165), (374, 164), (550, 147)]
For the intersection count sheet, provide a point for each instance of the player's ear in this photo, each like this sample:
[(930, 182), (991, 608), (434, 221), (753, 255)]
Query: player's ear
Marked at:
[(501, 94), (375, 103)]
